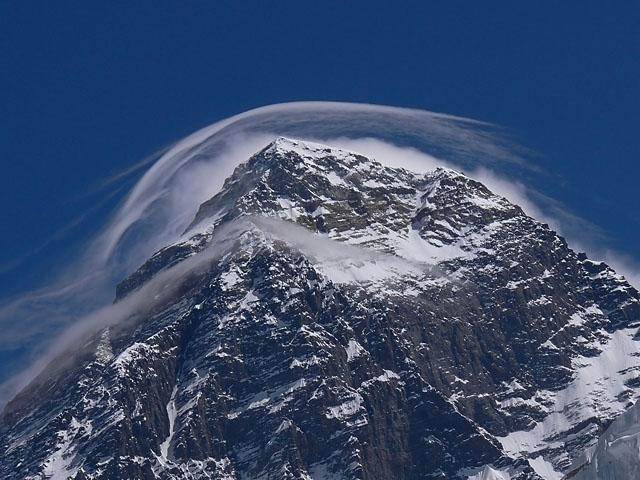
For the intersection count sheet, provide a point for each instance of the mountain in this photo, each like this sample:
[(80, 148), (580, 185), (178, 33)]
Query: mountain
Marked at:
[(328, 317)]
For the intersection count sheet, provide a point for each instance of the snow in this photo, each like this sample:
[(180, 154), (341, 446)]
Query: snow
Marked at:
[(513, 387), (290, 209), (579, 318), (305, 363), (56, 466), (203, 468), (415, 248), (489, 473), (336, 180), (354, 350), (275, 399), (549, 345), (320, 471), (385, 377), (171, 415), (372, 270), (308, 150), (229, 279), (131, 354), (284, 425), (544, 468), (346, 409), (104, 353), (542, 300), (371, 183), (488, 203), (248, 299), (319, 212)]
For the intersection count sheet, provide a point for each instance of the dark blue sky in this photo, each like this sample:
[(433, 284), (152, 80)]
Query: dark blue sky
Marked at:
[(89, 88)]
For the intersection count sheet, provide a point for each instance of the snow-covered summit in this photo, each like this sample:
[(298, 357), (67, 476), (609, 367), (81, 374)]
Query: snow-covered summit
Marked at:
[(305, 148), (427, 218)]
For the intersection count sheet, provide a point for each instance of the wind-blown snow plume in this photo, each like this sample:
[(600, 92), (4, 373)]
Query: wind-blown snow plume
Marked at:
[(165, 199)]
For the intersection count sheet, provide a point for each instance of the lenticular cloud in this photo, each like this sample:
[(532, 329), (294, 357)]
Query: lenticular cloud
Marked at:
[(165, 199)]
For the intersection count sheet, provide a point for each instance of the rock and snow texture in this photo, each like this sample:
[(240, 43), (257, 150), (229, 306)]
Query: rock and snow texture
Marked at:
[(363, 322)]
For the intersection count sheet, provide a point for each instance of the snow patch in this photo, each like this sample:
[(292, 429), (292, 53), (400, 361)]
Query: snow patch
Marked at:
[(544, 469), (335, 179), (354, 350), (171, 415), (415, 248), (104, 352), (490, 473), (346, 409)]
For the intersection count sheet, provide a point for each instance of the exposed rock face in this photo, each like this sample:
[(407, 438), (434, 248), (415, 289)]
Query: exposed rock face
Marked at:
[(335, 318)]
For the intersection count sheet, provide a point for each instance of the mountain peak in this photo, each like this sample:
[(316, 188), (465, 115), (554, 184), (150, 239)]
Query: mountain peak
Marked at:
[(375, 309), (350, 198), (287, 144)]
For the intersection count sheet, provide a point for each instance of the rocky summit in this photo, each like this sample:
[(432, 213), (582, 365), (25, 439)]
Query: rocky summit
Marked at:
[(329, 317)]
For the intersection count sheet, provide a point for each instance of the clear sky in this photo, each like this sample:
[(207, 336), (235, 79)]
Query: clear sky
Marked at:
[(89, 88)]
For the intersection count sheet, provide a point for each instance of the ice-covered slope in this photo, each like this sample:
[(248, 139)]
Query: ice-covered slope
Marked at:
[(617, 454), (336, 318)]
